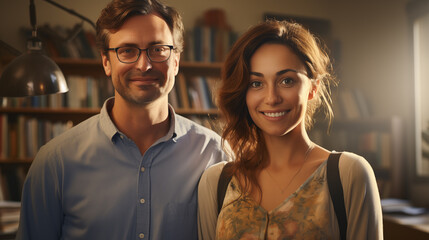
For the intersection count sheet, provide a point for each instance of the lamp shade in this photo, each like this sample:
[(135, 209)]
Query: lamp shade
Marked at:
[(32, 74)]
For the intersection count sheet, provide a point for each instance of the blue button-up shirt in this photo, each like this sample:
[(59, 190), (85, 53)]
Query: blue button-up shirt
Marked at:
[(93, 183)]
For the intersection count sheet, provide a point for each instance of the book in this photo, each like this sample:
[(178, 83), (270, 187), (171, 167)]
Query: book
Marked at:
[(4, 136), (183, 91), (204, 95), (173, 98), (362, 103), (401, 206), (90, 36), (9, 216), (349, 106), (84, 47), (209, 43)]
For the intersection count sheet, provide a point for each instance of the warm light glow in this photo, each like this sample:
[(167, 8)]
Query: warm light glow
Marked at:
[(421, 79)]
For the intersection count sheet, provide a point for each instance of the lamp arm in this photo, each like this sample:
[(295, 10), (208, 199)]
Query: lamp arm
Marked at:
[(72, 12), (33, 15)]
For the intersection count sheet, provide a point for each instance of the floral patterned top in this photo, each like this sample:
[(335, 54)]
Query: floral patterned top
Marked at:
[(306, 214), (303, 215)]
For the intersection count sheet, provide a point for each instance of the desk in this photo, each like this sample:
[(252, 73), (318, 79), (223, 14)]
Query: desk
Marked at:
[(406, 227), (9, 236)]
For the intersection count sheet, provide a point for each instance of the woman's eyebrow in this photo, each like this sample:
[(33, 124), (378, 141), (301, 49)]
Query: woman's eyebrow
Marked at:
[(278, 73)]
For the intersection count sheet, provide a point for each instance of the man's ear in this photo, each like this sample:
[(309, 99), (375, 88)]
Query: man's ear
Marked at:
[(176, 63), (106, 64), (315, 83)]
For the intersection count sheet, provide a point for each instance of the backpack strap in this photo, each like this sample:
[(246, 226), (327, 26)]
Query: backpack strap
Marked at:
[(222, 185), (336, 192)]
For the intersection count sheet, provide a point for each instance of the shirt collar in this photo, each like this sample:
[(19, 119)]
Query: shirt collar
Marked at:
[(111, 131), (107, 126)]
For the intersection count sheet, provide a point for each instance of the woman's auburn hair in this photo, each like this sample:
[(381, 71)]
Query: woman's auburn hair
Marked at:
[(243, 137)]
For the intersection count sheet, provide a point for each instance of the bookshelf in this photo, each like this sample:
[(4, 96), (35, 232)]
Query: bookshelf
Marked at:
[(23, 121), (21, 113), (379, 140)]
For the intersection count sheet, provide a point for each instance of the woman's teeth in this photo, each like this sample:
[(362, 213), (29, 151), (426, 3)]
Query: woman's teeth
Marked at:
[(274, 114)]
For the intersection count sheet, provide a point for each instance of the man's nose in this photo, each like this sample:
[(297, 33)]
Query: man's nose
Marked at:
[(143, 63)]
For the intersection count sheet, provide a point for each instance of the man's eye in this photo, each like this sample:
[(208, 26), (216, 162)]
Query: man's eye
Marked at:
[(158, 49), (127, 50)]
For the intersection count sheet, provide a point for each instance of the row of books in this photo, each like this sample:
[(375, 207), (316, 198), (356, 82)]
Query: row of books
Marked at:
[(351, 104), (87, 92), (195, 92), (9, 216), (21, 137), (208, 44), (84, 92), (208, 121), (375, 146), (202, 43), (12, 179), (62, 42)]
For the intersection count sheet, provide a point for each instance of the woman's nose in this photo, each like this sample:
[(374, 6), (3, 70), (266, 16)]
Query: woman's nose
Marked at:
[(272, 96)]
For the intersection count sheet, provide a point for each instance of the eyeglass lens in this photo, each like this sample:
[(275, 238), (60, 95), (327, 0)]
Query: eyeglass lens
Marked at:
[(155, 53)]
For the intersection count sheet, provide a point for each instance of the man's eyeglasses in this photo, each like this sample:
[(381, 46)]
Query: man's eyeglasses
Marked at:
[(156, 53)]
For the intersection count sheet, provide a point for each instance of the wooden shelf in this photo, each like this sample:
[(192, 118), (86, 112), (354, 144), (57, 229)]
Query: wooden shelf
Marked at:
[(59, 114), (93, 67), (77, 115), (87, 111), (47, 111), (364, 124), (200, 112), (15, 161)]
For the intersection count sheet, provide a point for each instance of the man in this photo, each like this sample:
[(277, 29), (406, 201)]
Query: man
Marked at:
[(130, 172)]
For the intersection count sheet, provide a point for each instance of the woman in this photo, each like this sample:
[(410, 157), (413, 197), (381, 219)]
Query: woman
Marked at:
[(275, 78)]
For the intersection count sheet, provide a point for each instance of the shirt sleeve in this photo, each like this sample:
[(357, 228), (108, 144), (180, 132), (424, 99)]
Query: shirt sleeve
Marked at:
[(207, 202), (41, 214), (361, 198)]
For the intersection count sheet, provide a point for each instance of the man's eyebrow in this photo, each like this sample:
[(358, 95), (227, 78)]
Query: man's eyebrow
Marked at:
[(153, 43), (128, 45), (157, 43), (278, 73)]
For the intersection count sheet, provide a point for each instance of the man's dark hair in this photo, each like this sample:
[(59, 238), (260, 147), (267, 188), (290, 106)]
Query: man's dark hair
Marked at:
[(114, 15)]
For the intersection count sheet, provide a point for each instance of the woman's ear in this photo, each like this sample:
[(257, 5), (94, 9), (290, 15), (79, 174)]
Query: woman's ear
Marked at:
[(313, 88)]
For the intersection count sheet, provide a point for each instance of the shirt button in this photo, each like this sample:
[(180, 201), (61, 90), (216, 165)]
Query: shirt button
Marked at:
[(142, 169), (142, 200), (141, 235)]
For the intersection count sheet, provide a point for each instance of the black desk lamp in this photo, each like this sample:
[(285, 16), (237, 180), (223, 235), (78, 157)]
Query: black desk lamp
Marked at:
[(33, 73)]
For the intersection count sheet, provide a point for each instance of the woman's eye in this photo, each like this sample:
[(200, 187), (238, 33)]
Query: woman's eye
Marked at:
[(255, 84), (288, 82)]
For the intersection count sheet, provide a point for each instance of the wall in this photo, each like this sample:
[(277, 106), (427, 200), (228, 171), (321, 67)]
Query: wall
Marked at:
[(373, 37)]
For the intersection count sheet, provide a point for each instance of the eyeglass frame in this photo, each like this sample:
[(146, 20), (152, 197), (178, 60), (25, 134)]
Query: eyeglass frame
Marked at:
[(140, 51)]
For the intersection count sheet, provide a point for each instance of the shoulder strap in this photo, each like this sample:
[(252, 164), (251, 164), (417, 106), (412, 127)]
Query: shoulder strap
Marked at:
[(222, 185), (336, 192)]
